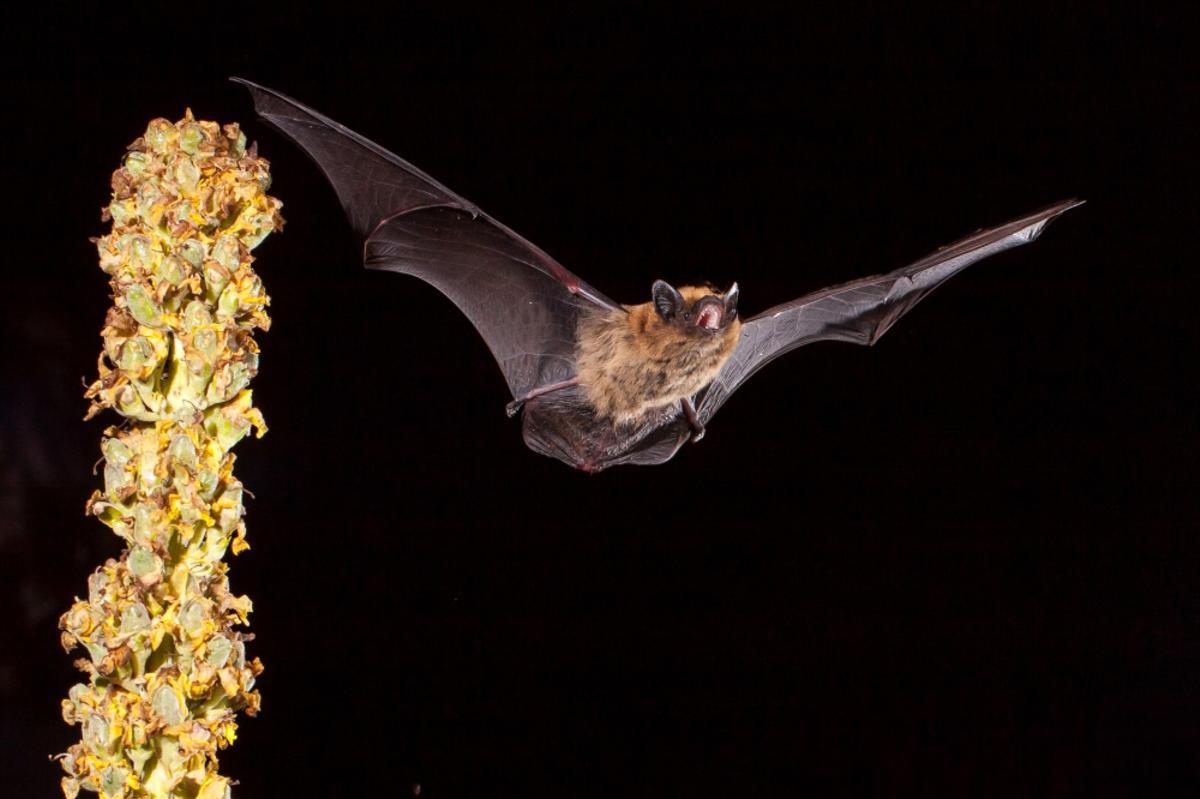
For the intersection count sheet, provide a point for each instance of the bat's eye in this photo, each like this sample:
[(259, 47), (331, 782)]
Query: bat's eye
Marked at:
[(687, 315)]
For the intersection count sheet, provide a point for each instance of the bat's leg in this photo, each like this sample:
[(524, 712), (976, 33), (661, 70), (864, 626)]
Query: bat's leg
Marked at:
[(514, 406), (689, 410)]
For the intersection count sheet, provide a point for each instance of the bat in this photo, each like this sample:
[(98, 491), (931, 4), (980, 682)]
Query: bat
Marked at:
[(597, 383)]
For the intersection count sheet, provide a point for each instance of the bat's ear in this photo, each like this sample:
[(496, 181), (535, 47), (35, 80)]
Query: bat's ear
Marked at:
[(730, 299), (667, 301)]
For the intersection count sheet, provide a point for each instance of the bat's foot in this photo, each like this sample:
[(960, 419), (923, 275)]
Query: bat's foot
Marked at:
[(689, 410), (514, 407)]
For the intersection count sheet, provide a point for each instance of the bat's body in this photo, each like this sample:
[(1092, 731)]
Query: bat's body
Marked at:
[(597, 383), (635, 362)]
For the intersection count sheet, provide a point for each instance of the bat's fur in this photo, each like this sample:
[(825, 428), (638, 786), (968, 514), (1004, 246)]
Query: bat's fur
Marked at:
[(633, 362)]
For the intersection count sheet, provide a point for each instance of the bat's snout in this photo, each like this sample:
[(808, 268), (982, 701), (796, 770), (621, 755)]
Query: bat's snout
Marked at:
[(710, 314), (710, 317)]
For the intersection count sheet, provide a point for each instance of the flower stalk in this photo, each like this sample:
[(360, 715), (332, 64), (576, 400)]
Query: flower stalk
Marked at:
[(166, 666)]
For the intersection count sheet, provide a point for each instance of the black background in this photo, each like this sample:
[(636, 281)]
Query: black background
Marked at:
[(961, 563)]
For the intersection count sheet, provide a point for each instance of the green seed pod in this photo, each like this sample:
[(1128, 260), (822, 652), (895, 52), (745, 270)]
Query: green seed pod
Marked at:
[(206, 484), (195, 315), (150, 203), (194, 252), (205, 342), (145, 565), (227, 253), (191, 618), (159, 135), (172, 270), (185, 172), (97, 582), (216, 277), (134, 618), (140, 252), (182, 452), (143, 308), (219, 649), (167, 705), (129, 403), (96, 734), (136, 163), (228, 303), (115, 451), (134, 355), (112, 780), (190, 137), (117, 481), (143, 523), (122, 212)]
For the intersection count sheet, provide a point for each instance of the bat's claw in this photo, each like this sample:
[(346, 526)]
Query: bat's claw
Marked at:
[(514, 407), (698, 432)]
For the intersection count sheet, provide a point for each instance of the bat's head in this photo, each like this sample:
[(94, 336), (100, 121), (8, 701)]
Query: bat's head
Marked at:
[(700, 308)]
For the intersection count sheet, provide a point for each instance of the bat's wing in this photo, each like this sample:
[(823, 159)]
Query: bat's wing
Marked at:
[(522, 301), (863, 310)]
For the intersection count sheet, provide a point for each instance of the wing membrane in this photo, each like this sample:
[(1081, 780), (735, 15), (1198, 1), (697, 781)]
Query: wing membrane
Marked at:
[(861, 311), (523, 303)]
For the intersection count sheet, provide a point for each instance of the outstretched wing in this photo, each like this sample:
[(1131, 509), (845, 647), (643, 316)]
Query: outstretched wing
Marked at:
[(863, 310), (522, 301)]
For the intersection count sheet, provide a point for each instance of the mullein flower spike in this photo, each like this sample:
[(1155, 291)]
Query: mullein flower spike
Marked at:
[(166, 669)]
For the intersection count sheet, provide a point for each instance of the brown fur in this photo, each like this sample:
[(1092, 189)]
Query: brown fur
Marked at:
[(631, 364)]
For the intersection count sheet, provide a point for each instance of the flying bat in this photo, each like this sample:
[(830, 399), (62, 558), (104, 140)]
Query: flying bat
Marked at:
[(597, 383)]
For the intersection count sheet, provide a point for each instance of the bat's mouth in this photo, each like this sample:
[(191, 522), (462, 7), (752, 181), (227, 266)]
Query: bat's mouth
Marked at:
[(710, 316)]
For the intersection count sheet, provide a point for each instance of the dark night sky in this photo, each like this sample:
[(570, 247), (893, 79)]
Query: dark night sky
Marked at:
[(961, 563)]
